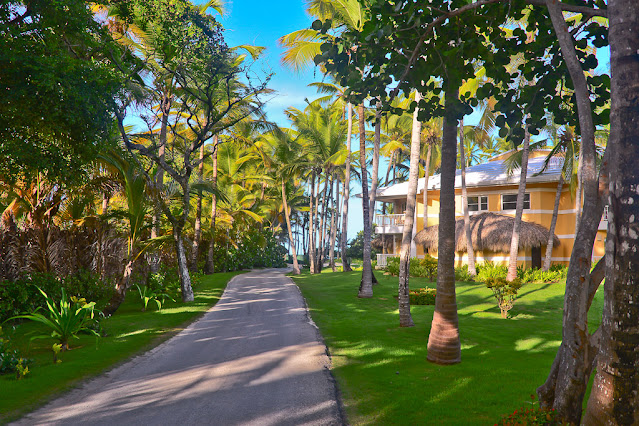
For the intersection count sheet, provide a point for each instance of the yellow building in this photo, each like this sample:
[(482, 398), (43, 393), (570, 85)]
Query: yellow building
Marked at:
[(492, 189)]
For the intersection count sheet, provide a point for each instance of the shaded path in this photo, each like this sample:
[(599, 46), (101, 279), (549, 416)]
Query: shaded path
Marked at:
[(253, 359)]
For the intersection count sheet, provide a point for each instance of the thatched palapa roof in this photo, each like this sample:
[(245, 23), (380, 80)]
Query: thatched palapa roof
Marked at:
[(489, 231)]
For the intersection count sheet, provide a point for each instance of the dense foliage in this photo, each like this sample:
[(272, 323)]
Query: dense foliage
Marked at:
[(57, 84), (22, 295)]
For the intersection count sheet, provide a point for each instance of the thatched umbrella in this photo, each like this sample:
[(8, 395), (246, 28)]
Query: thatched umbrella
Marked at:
[(490, 231)]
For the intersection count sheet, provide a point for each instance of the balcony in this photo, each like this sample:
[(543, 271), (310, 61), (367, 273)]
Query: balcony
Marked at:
[(389, 223)]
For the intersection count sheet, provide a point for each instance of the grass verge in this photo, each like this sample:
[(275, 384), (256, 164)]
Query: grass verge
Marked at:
[(382, 370), (129, 332)]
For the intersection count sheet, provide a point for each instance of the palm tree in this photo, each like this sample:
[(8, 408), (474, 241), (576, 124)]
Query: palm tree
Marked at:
[(444, 346), (287, 161)]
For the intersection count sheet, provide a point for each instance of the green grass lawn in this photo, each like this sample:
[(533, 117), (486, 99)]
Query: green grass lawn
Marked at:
[(382, 370), (129, 331)]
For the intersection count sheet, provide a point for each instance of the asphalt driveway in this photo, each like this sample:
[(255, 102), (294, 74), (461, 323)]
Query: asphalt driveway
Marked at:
[(253, 359)]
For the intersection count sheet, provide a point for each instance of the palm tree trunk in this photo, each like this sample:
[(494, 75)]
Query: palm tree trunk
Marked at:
[(514, 242), (210, 262), (334, 226), (323, 222), (444, 346), (366, 286), (291, 241), (311, 227), (553, 223), (405, 318), (197, 227), (318, 230), (469, 242), (346, 267), (425, 195), (374, 177)]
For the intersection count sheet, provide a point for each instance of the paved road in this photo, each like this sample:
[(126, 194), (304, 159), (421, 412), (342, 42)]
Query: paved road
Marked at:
[(254, 359)]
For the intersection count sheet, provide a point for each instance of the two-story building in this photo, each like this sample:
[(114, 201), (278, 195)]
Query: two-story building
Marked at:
[(492, 189)]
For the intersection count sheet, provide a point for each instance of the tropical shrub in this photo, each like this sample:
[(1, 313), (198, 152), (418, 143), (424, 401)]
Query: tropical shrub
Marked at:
[(423, 296), (505, 292), (426, 267), (10, 358), (147, 295), (22, 295), (554, 274), (462, 274), (66, 319), (489, 270)]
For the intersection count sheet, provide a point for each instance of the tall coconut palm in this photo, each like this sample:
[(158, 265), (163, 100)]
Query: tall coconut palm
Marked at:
[(444, 346), (288, 160)]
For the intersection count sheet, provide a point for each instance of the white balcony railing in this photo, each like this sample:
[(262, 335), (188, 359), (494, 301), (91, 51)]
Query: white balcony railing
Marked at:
[(389, 223), (381, 259)]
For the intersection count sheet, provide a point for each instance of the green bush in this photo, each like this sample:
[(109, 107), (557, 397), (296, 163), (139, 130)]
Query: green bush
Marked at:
[(426, 267), (462, 274), (253, 249), (488, 270), (505, 292), (423, 296), (10, 358), (22, 295)]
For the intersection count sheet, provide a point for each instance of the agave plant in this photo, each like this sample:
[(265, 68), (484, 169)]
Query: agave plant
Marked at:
[(66, 319)]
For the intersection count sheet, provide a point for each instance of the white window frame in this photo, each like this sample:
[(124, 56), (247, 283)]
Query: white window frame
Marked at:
[(482, 203), (526, 198)]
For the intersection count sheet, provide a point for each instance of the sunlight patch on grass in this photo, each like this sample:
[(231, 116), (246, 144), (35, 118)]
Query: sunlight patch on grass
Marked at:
[(536, 344), (457, 386)]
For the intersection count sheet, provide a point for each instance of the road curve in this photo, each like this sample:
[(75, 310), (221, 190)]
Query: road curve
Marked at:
[(253, 359)]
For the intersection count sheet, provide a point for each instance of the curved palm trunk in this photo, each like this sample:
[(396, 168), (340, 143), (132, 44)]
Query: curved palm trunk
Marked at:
[(121, 288), (553, 223), (296, 268), (469, 242), (366, 286), (444, 346), (405, 318), (347, 183), (614, 398), (425, 195), (514, 242), (197, 227), (376, 140), (210, 262)]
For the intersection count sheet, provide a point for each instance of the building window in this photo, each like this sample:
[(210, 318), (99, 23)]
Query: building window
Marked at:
[(509, 201), (478, 203)]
